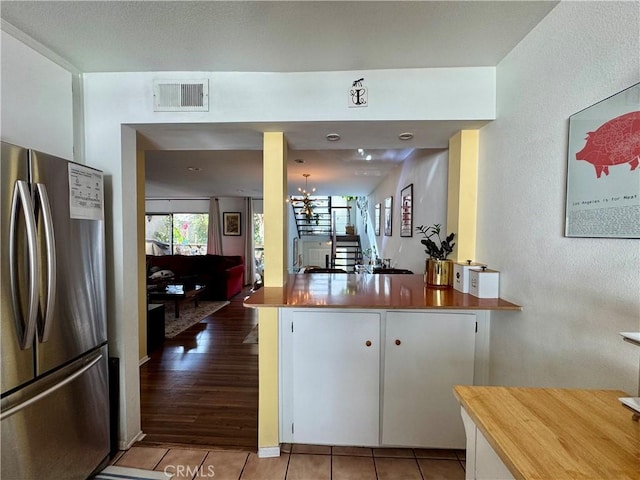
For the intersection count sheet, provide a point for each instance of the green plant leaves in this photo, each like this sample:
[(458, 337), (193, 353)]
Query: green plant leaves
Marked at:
[(432, 249)]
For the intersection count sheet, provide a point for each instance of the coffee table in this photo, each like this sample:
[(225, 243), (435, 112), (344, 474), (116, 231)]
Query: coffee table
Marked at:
[(178, 292)]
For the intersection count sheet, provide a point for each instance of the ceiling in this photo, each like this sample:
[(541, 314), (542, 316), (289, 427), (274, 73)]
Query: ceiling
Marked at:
[(273, 36)]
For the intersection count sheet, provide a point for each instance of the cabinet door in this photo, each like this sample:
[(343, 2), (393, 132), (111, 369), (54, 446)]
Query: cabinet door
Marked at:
[(336, 358), (426, 354)]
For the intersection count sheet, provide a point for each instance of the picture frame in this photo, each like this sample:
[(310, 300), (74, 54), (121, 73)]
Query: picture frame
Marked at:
[(388, 216), (603, 176), (297, 262), (376, 219), (406, 211), (231, 225)]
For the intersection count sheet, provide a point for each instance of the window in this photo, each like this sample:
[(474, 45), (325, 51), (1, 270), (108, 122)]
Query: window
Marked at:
[(177, 233), (258, 242)]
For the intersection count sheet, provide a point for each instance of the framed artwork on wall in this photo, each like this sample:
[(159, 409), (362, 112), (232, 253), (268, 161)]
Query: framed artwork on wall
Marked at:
[(376, 219), (388, 206), (231, 223), (406, 211), (603, 178)]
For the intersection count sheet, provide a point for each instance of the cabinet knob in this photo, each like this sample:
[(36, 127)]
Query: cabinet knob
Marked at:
[(368, 343), (398, 342)]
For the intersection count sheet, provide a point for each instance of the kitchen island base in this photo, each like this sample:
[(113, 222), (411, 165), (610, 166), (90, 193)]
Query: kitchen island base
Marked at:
[(377, 378)]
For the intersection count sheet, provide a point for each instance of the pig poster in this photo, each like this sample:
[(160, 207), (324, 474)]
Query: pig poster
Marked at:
[(603, 171)]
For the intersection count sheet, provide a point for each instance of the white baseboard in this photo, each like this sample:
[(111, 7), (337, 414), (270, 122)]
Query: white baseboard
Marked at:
[(269, 452), (144, 360), (124, 445)]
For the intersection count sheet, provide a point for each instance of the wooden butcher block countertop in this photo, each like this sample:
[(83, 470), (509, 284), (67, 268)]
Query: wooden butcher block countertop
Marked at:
[(548, 433), (376, 291)]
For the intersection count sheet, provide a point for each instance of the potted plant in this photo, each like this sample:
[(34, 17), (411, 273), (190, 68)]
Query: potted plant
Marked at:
[(438, 270)]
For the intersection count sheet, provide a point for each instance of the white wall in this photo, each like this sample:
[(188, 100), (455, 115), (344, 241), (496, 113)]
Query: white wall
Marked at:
[(177, 206), (410, 94), (115, 102), (577, 293), (37, 104), (427, 171), (231, 244)]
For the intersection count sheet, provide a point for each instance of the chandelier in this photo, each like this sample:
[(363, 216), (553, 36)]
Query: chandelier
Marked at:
[(305, 200), (304, 191)]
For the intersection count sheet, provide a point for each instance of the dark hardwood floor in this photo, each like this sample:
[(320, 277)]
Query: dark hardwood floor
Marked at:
[(201, 387)]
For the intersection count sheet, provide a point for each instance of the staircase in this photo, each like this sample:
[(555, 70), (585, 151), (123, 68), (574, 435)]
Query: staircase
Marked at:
[(346, 252), (320, 221)]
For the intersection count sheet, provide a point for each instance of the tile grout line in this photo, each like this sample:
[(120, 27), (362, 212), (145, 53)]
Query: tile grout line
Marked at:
[(286, 472), (463, 465), (331, 465), (199, 469), (246, 460), (419, 468), (375, 467), (161, 458), (415, 457)]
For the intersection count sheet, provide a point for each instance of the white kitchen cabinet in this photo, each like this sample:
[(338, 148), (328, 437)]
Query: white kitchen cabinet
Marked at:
[(425, 355), (336, 390), (335, 368)]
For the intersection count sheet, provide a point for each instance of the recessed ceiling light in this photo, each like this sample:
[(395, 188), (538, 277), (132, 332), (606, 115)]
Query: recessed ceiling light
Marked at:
[(333, 137), (299, 160), (405, 136), (194, 169)]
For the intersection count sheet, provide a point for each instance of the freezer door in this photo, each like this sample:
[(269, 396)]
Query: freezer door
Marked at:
[(73, 280), (16, 281), (58, 427)]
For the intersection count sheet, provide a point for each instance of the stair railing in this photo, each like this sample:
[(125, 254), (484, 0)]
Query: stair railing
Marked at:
[(333, 238)]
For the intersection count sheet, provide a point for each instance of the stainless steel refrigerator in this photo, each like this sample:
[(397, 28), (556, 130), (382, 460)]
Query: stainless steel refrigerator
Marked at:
[(54, 402)]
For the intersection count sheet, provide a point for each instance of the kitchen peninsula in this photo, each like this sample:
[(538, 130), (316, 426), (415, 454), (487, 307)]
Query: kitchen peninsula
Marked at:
[(369, 291), (371, 359)]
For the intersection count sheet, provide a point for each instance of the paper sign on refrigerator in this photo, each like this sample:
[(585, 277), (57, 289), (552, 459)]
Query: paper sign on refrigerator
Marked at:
[(86, 199)]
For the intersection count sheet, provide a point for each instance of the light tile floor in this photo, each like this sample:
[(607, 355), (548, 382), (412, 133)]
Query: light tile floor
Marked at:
[(299, 462)]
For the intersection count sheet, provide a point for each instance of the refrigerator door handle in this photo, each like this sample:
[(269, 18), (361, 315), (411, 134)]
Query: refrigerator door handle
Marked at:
[(25, 327), (51, 262), (15, 409)]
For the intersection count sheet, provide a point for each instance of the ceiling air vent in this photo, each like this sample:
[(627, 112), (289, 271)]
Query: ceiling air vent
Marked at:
[(181, 96)]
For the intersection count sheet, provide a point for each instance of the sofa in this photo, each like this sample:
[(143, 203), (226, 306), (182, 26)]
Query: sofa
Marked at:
[(223, 275)]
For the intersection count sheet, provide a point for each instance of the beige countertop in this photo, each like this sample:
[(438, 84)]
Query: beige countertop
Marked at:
[(388, 291), (553, 433)]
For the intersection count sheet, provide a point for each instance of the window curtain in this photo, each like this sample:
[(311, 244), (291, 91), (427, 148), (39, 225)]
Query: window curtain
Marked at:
[(249, 262), (214, 237)]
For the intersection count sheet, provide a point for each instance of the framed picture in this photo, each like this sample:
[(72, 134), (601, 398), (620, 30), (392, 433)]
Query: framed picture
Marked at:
[(231, 223), (297, 262), (603, 178), (406, 211), (388, 206), (376, 219)]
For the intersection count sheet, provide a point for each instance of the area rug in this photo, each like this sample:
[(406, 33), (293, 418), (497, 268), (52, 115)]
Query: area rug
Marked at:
[(252, 337), (189, 315), (113, 472)]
